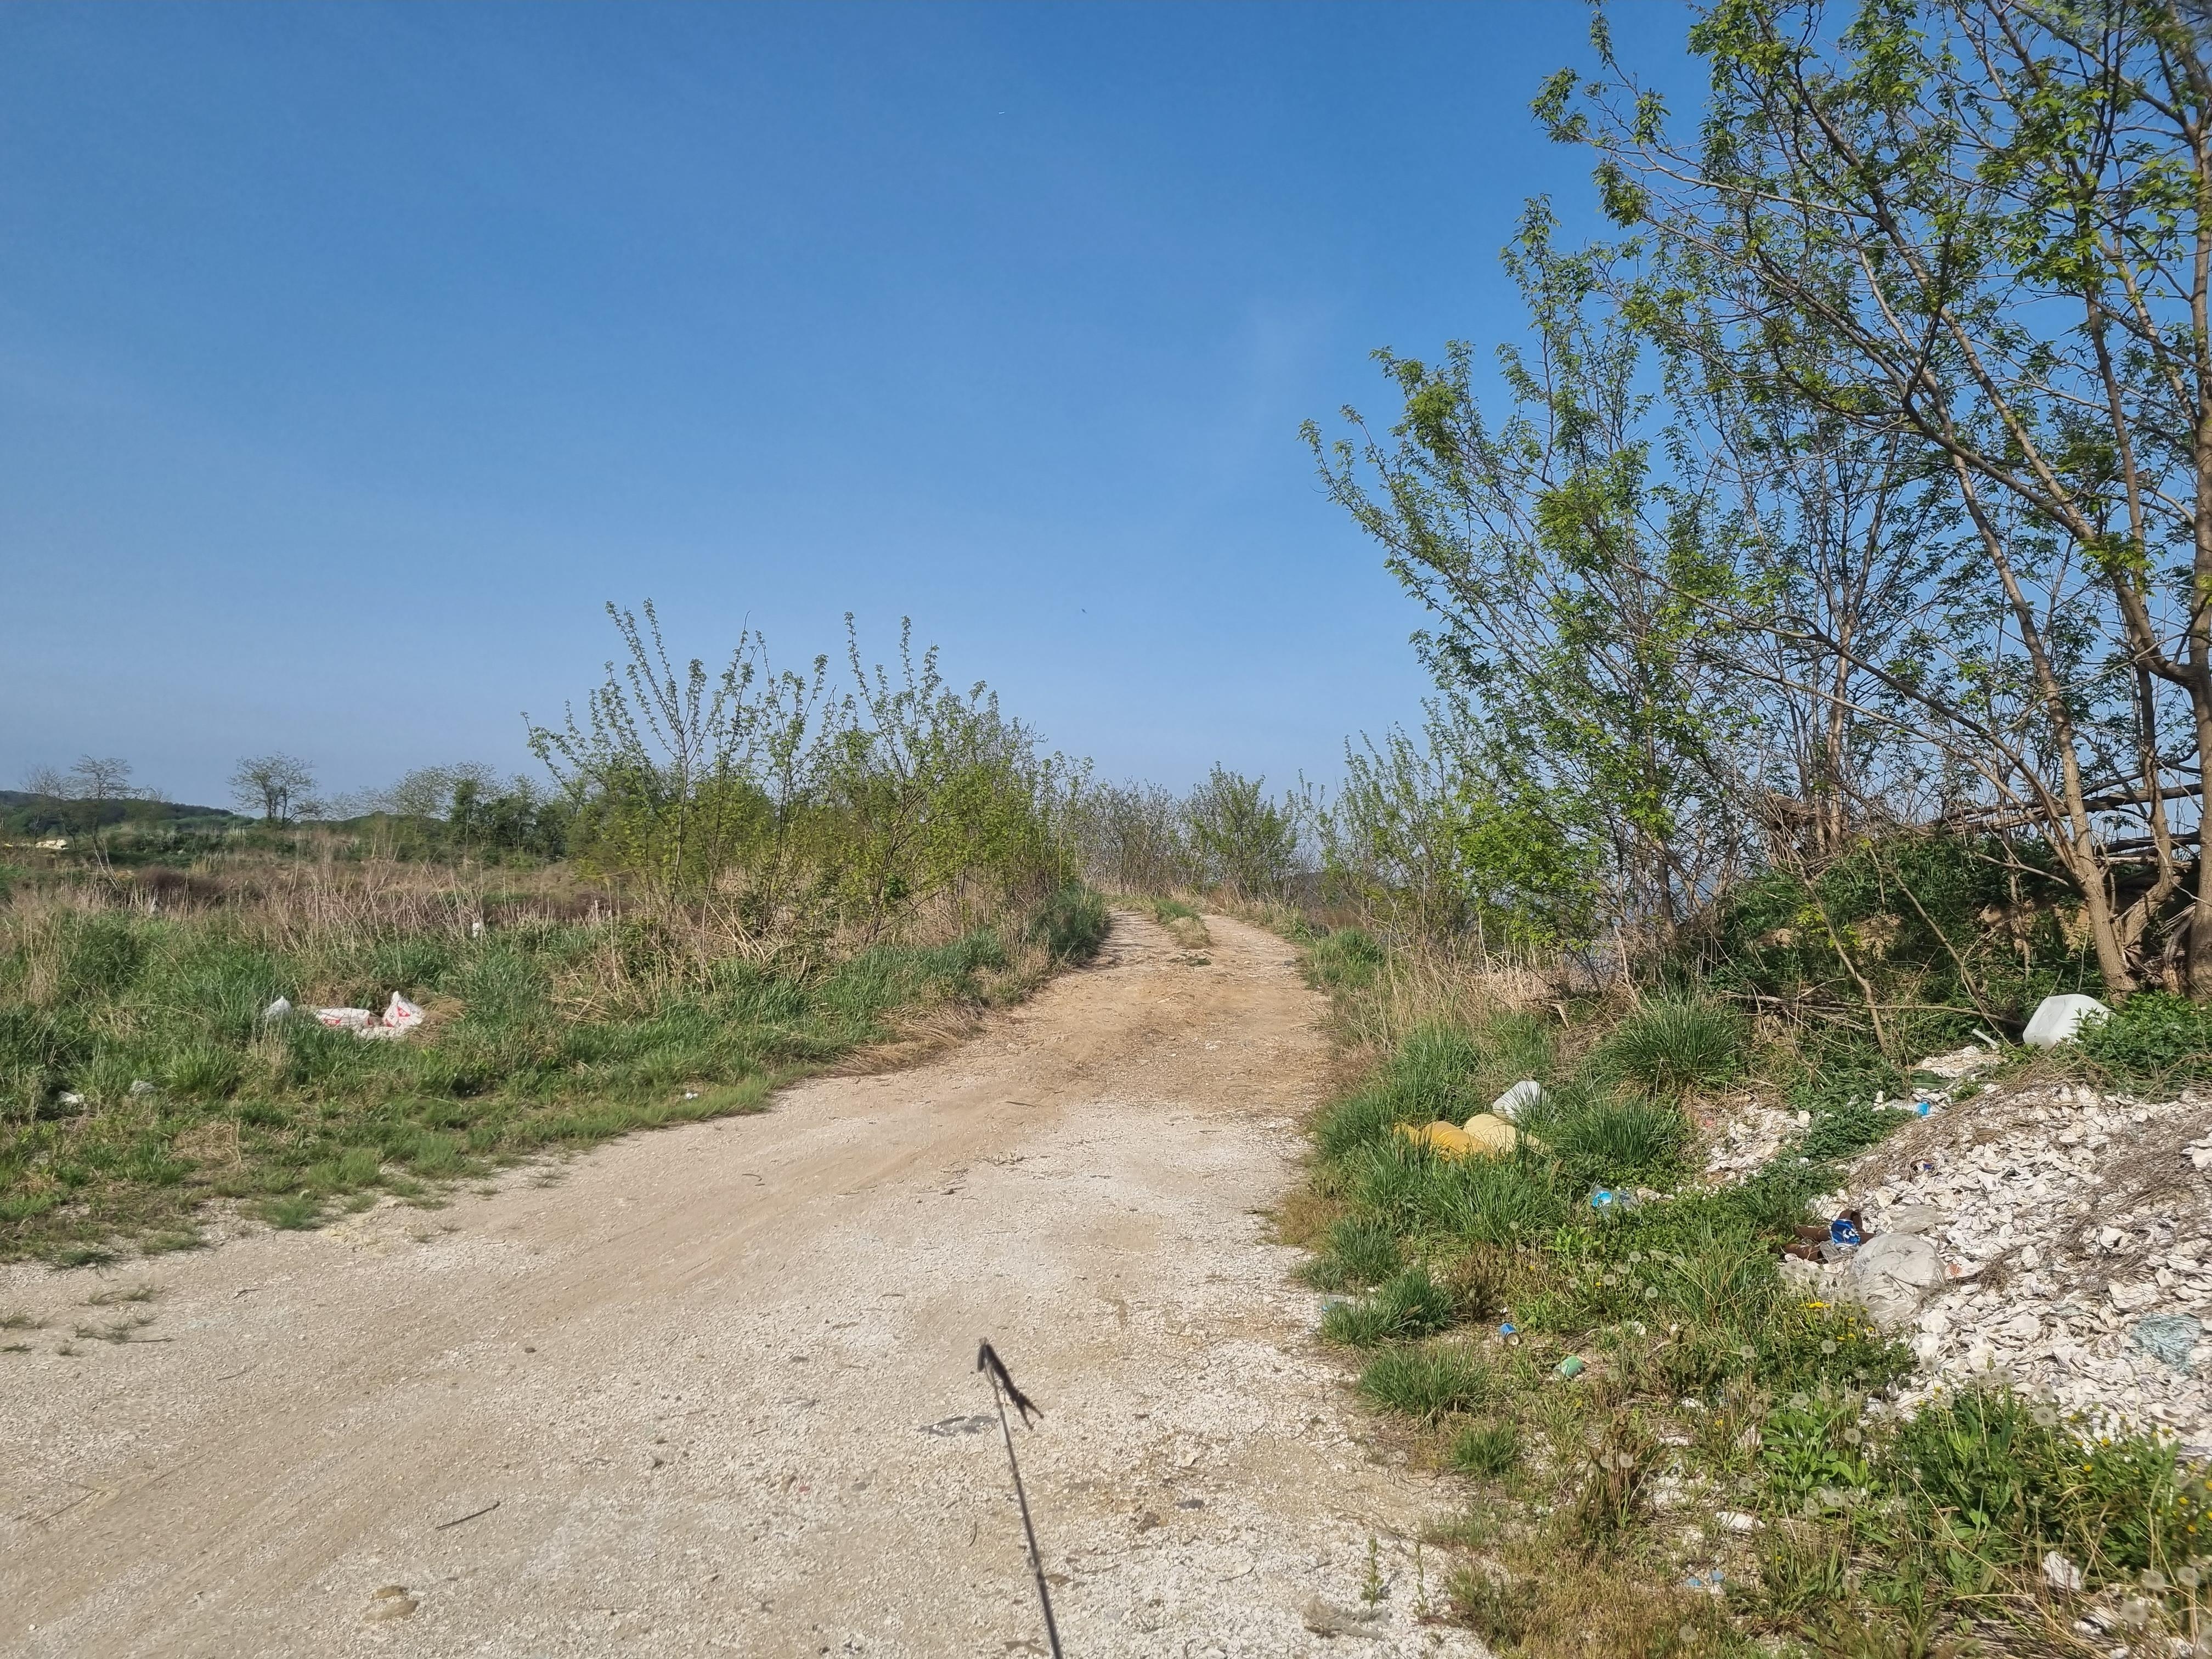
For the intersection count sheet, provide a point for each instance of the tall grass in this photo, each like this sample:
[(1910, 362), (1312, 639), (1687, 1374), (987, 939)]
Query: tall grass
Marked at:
[(139, 1077)]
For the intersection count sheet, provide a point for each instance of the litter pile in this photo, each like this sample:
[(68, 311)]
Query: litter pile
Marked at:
[(2048, 1236), (399, 1016)]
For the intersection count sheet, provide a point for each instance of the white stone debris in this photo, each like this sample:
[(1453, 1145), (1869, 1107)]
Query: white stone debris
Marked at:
[(2050, 1237)]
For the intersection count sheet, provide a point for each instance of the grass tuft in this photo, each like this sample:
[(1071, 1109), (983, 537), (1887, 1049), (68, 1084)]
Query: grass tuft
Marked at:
[(1427, 1381)]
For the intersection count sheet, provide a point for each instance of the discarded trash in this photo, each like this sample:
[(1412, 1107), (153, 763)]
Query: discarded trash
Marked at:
[(2060, 1020), (1507, 1329), (1569, 1367), (1484, 1136), (399, 1015), (1911, 1219), (70, 1098), (1736, 1520), (1517, 1099), (140, 1086), (1893, 1272), (1845, 1229), (1444, 1140), (476, 928), (279, 1008), (2061, 1574), (1604, 1198), (1712, 1584), (1494, 1137), (2132, 1298), (2169, 1337)]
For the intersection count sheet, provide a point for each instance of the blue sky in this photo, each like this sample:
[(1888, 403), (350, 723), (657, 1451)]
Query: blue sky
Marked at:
[(350, 356)]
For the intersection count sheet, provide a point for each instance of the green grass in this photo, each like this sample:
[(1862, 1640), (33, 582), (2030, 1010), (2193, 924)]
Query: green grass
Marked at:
[(1428, 1381), (2153, 1039), (1673, 1044), (545, 1036), (1411, 1305), (1486, 1449), (1700, 1362)]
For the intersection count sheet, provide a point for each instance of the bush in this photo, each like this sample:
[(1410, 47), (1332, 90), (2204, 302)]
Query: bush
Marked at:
[(1671, 1045), (2153, 1036), (1072, 923)]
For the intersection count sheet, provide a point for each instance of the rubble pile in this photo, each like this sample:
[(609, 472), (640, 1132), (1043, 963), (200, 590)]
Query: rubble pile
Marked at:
[(2048, 1237)]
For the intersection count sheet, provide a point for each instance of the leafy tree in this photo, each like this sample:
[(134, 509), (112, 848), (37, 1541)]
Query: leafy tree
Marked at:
[(276, 786), (1979, 230)]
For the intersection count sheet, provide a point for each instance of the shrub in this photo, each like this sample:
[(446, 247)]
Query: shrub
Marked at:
[(1426, 1381), (2153, 1035), (1072, 923), (1673, 1044)]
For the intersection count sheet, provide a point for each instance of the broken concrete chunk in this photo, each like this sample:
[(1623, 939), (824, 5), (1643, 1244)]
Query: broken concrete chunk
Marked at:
[(2060, 1020)]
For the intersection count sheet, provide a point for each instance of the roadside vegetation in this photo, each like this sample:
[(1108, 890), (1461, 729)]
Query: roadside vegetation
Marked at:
[(699, 909), (1813, 580)]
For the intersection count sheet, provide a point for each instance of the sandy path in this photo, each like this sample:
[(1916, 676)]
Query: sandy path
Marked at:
[(718, 1381)]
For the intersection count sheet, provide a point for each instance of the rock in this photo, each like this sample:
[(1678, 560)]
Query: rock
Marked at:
[(1912, 1219), (1492, 1137), (2060, 1020), (2131, 1299), (392, 1602), (140, 1086), (2061, 1574), (277, 1011), (1892, 1273), (2169, 1337), (1517, 1099), (2021, 1328), (1325, 1619), (1736, 1521)]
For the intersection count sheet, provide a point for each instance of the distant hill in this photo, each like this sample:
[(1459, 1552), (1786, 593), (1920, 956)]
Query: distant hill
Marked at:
[(22, 813)]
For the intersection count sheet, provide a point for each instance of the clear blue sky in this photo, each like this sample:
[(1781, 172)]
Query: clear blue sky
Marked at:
[(351, 356)]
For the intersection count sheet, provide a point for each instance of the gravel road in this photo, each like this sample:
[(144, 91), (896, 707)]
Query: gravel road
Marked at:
[(711, 1389)]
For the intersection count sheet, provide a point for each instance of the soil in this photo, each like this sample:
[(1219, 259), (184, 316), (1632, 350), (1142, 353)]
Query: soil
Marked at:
[(714, 1389)]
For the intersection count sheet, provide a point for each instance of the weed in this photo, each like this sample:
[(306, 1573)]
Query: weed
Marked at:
[(1428, 1381), (297, 1213), (116, 1330), (1343, 959), (1358, 1251), (2152, 1038), (1411, 1305), (1371, 1588), (1671, 1045), (115, 1294), (1485, 1449), (82, 1256), (17, 1321)]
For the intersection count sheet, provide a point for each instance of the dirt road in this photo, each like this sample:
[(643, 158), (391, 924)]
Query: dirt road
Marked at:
[(711, 1389)]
